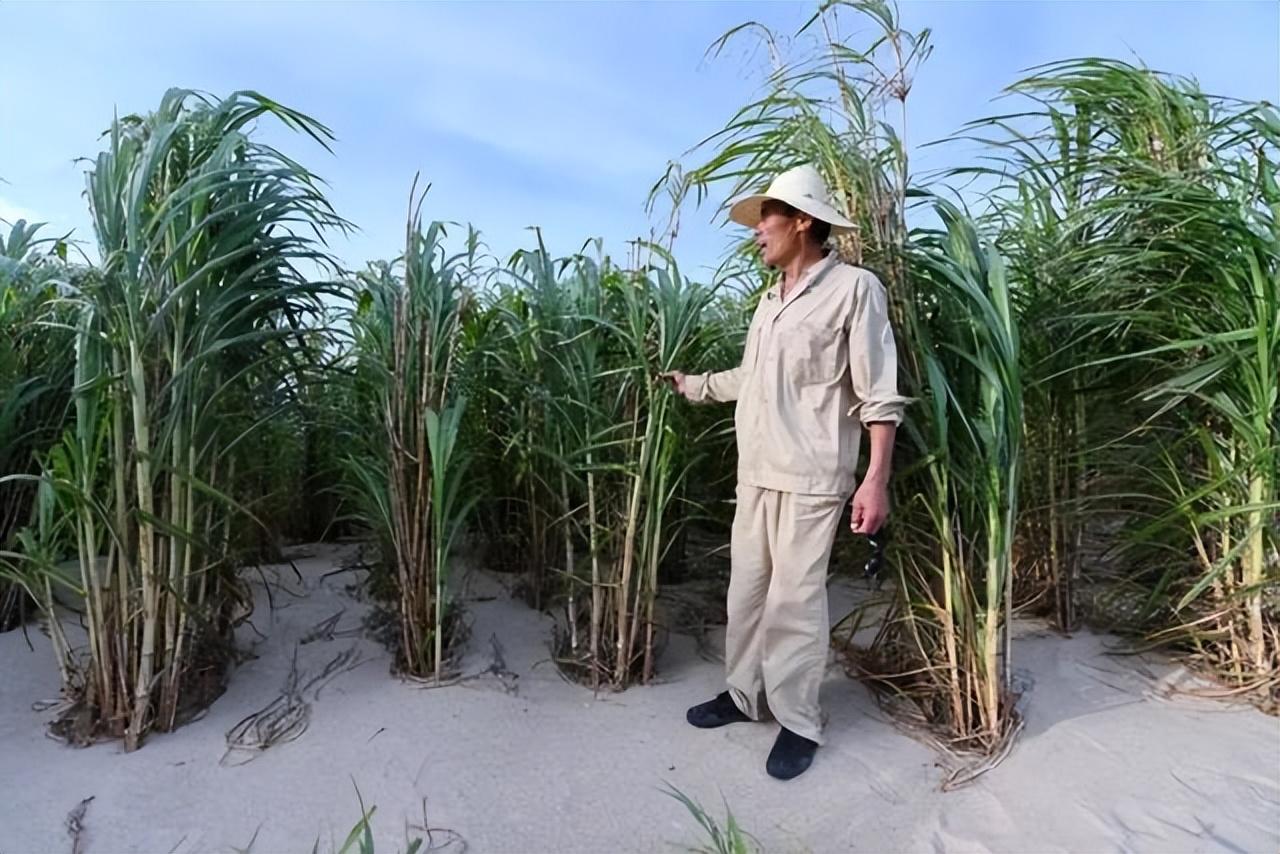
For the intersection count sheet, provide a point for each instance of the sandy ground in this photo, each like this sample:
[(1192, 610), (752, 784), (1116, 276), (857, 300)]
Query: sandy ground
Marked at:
[(525, 762)]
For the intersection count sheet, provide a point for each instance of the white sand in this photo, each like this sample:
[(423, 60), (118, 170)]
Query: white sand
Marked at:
[(1103, 765)]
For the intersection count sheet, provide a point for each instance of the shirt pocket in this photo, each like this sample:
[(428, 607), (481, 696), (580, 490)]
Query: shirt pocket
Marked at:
[(814, 353)]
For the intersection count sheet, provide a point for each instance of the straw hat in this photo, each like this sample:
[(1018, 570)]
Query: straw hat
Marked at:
[(803, 189)]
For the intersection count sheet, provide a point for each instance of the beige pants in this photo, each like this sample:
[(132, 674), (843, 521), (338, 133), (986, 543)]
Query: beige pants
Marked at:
[(777, 639)]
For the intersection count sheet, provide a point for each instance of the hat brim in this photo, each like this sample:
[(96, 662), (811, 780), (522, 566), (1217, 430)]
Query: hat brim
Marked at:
[(746, 211)]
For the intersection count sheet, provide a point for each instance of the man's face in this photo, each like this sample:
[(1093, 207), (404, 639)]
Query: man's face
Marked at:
[(779, 234)]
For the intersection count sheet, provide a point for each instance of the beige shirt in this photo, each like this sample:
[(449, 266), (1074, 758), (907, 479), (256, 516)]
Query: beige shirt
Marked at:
[(816, 367)]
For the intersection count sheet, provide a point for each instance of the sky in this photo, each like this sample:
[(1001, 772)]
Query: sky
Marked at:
[(555, 115)]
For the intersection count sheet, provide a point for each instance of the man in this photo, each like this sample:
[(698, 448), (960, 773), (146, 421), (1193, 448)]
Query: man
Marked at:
[(819, 364)]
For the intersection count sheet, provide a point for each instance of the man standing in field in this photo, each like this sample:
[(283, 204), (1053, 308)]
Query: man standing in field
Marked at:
[(819, 364)]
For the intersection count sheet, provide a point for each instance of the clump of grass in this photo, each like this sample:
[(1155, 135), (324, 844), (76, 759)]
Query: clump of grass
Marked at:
[(360, 839), (183, 338), (727, 839), (589, 455), (35, 392), (408, 463)]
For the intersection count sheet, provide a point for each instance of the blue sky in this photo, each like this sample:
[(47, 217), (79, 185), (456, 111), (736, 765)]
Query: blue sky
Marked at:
[(559, 115)]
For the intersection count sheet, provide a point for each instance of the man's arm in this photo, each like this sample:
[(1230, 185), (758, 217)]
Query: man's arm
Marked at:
[(873, 366), (718, 387), (871, 501)]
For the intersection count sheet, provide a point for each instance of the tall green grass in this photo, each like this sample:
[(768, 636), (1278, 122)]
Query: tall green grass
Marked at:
[(1153, 209), (587, 452), (35, 392), (408, 465), (183, 333)]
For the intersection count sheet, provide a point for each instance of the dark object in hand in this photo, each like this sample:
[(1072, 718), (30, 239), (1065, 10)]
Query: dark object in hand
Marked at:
[(876, 561)]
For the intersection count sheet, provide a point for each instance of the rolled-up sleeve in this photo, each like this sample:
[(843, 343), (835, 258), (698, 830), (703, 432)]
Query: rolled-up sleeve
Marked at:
[(873, 356), (718, 387)]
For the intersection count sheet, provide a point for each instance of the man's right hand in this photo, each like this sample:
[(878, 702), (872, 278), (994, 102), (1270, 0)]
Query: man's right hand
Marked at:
[(677, 381)]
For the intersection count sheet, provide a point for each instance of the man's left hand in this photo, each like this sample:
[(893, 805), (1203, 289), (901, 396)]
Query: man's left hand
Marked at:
[(870, 507)]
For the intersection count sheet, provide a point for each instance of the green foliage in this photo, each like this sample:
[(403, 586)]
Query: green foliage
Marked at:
[(184, 335), (406, 466), (1144, 218), (587, 454), (35, 388), (727, 839)]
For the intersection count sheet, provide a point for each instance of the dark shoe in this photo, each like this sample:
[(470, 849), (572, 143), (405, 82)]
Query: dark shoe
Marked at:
[(791, 755), (718, 712)]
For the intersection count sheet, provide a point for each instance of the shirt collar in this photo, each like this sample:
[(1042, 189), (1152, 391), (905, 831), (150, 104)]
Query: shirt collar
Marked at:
[(817, 269), (807, 278)]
